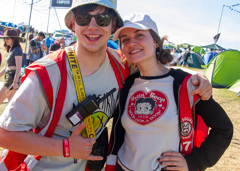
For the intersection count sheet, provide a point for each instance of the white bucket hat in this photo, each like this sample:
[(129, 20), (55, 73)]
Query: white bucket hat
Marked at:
[(106, 3), (139, 21)]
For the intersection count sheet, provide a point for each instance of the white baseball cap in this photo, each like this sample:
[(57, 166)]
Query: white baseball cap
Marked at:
[(106, 3), (139, 21)]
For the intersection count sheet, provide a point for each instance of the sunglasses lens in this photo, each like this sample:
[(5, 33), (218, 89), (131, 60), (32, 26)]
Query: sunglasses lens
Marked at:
[(83, 20), (102, 20), (6, 38)]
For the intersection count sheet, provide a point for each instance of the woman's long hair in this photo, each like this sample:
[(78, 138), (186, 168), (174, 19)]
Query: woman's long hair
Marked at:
[(15, 44)]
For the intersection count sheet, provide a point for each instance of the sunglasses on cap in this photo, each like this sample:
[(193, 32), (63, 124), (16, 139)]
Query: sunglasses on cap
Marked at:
[(102, 20), (6, 38)]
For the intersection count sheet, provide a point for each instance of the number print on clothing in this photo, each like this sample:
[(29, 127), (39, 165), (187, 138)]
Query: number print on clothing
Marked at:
[(145, 108)]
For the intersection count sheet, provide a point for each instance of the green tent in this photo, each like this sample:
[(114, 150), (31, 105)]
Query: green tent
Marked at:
[(194, 63), (198, 49), (223, 70)]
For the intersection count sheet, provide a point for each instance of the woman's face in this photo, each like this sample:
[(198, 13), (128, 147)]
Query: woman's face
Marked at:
[(8, 41), (137, 45)]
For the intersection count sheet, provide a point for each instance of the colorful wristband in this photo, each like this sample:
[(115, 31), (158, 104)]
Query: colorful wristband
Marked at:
[(66, 148)]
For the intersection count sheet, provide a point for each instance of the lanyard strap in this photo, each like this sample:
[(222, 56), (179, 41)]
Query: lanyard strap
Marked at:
[(78, 82)]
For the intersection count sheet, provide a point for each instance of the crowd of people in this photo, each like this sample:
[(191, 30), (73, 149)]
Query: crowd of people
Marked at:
[(37, 131)]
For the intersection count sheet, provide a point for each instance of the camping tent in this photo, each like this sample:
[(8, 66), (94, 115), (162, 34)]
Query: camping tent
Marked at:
[(214, 47), (223, 70), (208, 56), (198, 49), (235, 87), (195, 59), (200, 60)]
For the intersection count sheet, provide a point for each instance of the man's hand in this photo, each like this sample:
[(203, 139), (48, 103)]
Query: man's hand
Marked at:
[(204, 88), (80, 148)]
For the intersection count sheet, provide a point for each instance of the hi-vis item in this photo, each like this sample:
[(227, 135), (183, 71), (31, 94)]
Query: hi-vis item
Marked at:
[(55, 90), (77, 77)]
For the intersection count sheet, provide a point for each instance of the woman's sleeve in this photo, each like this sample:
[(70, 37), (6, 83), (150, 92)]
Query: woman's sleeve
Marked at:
[(218, 139)]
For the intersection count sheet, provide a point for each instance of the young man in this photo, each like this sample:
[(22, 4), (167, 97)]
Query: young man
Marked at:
[(37, 47), (49, 91)]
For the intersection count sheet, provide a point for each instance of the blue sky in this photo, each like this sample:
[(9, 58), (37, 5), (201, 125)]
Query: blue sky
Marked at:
[(183, 21)]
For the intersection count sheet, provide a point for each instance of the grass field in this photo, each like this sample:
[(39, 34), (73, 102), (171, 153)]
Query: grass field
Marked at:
[(230, 161)]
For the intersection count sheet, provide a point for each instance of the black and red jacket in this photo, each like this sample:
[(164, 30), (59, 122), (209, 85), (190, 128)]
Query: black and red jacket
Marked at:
[(210, 151)]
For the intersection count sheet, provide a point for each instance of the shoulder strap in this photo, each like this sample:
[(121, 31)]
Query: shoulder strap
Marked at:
[(187, 118), (121, 73)]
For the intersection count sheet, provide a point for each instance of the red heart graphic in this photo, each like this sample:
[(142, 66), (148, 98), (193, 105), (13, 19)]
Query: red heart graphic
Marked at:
[(145, 108)]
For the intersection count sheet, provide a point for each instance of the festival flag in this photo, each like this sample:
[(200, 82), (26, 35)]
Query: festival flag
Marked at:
[(216, 37)]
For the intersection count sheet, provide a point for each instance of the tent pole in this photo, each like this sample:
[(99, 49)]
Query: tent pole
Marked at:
[(28, 27), (14, 11), (57, 18), (219, 25), (49, 14)]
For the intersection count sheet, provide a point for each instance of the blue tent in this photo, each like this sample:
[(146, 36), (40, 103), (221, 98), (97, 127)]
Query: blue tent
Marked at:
[(208, 56), (10, 24), (49, 41)]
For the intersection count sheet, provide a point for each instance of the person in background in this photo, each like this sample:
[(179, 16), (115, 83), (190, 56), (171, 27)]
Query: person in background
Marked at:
[(186, 56), (12, 68), (30, 37), (49, 41), (36, 48), (42, 94), (58, 44), (146, 130), (176, 57)]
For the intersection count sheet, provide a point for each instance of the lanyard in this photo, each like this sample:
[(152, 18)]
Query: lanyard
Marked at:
[(77, 77)]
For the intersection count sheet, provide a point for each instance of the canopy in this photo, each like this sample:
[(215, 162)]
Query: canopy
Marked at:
[(214, 47)]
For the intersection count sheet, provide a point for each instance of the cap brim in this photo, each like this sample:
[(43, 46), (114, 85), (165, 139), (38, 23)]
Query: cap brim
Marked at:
[(130, 25), (70, 16)]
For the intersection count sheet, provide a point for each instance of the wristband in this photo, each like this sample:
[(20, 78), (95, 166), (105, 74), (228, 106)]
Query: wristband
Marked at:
[(66, 149)]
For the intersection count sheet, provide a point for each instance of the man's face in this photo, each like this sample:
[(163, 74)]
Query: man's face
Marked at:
[(40, 38), (93, 38), (61, 41)]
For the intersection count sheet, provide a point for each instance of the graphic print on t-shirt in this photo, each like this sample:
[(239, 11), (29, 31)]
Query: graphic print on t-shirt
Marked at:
[(144, 108)]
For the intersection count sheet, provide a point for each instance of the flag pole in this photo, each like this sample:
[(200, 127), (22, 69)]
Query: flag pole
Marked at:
[(219, 25)]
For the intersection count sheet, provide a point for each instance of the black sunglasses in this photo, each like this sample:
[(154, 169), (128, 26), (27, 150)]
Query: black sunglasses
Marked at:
[(102, 20), (6, 38)]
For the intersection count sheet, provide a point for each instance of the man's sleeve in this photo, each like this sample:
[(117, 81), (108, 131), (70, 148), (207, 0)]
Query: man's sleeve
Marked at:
[(26, 108)]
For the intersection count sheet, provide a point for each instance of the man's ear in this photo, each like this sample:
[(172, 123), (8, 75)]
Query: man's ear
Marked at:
[(114, 23), (73, 25)]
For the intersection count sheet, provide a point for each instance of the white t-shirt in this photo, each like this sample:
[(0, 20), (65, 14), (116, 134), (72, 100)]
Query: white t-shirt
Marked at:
[(29, 108), (151, 122), (176, 56)]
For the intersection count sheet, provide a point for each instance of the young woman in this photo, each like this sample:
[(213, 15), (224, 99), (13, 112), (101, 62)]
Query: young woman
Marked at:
[(146, 132), (12, 69)]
